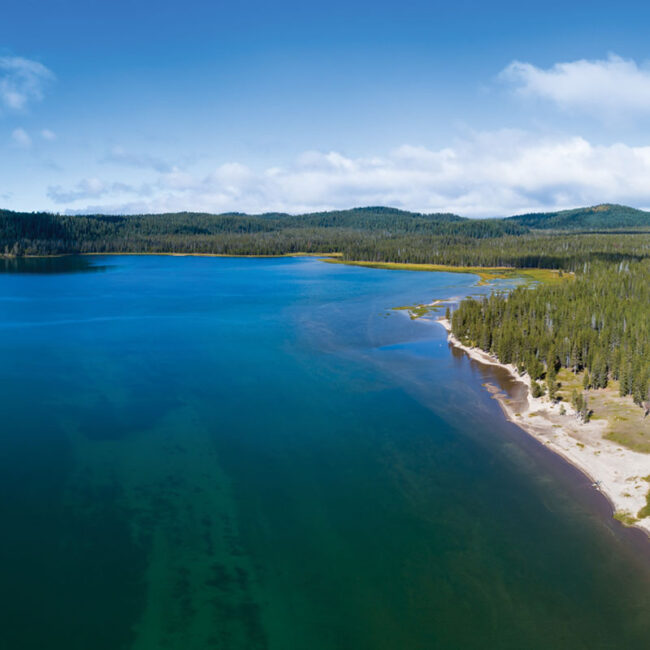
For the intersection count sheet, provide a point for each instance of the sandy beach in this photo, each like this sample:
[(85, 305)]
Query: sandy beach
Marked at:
[(621, 474)]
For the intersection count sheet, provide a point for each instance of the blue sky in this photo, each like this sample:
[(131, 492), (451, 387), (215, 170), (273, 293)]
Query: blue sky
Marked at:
[(478, 108)]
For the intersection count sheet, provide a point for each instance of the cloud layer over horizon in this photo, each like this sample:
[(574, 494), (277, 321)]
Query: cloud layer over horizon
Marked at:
[(488, 174), (485, 173)]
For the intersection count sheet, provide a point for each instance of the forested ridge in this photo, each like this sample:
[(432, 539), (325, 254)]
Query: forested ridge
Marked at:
[(370, 234), (593, 218), (266, 234)]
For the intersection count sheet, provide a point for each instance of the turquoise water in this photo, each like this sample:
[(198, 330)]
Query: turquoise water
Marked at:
[(223, 453)]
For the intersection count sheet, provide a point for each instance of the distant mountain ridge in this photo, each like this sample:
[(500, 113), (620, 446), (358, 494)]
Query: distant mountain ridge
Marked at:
[(597, 217), (361, 233)]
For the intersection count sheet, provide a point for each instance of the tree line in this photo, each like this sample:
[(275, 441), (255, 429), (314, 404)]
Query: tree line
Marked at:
[(598, 323), (368, 234)]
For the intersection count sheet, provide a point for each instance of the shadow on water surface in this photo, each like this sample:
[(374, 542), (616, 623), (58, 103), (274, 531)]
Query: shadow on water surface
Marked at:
[(50, 265)]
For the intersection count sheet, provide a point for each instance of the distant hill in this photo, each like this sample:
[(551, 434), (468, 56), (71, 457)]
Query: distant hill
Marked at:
[(599, 217), (369, 218), (378, 211), (370, 233), (75, 229)]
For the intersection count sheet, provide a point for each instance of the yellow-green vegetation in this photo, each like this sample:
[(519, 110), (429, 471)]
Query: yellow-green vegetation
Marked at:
[(627, 424), (625, 517), (487, 274), (417, 311), (645, 511)]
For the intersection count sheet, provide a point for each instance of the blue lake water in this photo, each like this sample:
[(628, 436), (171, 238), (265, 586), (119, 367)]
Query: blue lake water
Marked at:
[(260, 453)]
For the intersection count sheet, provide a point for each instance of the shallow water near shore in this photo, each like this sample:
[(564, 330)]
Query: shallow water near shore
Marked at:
[(259, 453)]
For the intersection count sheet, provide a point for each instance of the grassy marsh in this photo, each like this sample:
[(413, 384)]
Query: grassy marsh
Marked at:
[(487, 274)]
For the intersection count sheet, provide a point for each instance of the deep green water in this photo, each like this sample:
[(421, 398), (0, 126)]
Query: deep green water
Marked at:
[(242, 454)]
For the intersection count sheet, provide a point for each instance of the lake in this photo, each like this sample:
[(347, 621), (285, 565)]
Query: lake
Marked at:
[(261, 453)]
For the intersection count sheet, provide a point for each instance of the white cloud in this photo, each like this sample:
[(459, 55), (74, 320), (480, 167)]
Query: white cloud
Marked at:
[(120, 156), (318, 161), (87, 188), (46, 134), (602, 87), (93, 188), (22, 81), (21, 138), (487, 174)]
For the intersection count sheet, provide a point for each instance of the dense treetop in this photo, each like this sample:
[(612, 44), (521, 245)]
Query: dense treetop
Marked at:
[(372, 234), (605, 217), (598, 322)]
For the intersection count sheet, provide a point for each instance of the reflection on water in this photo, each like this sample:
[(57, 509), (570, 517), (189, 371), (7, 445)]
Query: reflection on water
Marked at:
[(515, 390), (48, 265)]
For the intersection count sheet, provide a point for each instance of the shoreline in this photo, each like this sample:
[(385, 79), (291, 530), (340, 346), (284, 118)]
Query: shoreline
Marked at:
[(621, 475), (164, 254), (485, 273)]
